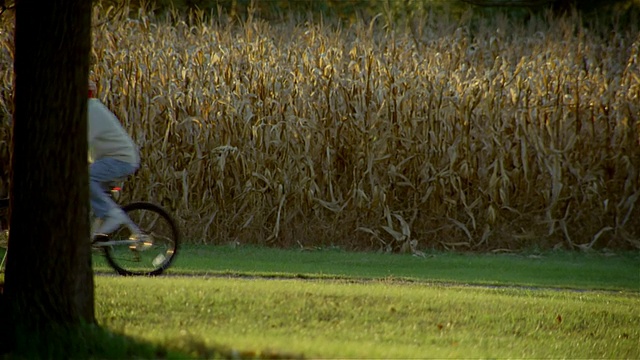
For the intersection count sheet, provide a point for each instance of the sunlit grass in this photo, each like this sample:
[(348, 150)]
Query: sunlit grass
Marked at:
[(329, 303), (573, 270), (331, 319)]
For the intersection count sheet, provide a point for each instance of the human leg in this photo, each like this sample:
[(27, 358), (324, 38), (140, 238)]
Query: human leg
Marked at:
[(101, 172)]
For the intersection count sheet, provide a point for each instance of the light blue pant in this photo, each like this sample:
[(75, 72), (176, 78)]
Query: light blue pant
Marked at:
[(101, 172)]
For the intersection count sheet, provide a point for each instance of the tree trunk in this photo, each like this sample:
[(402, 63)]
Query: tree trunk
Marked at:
[(49, 278)]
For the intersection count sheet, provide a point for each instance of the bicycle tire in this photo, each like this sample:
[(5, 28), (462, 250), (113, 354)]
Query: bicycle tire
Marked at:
[(152, 256)]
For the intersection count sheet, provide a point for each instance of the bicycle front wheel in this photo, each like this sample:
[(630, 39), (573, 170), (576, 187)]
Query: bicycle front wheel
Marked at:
[(150, 252)]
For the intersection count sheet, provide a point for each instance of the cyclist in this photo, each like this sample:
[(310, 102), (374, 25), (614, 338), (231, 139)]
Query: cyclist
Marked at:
[(113, 155)]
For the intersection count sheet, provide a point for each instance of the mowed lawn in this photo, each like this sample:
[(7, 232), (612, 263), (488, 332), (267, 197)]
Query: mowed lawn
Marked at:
[(555, 269), (254, 307)]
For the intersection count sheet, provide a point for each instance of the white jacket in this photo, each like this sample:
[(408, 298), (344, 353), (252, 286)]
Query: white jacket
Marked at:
[(107, 137)]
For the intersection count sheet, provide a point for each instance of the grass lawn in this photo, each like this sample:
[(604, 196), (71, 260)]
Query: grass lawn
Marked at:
[(571, 270), (254, 317), (329, 303)]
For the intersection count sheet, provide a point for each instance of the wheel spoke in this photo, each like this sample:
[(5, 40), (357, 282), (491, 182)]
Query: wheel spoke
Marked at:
[(152, 251)]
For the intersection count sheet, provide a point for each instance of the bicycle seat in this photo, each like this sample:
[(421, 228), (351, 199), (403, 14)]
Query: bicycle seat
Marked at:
[(118, 183), (114, 184)]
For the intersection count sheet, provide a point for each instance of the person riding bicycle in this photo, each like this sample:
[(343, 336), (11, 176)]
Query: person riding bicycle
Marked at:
[(113, 155)]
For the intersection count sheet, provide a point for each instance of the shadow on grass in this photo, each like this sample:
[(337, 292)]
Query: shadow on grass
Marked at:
[(91, 341), (95, 342), (81, 342)]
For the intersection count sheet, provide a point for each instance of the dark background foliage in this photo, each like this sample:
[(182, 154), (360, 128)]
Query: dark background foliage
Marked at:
[(346, 9)]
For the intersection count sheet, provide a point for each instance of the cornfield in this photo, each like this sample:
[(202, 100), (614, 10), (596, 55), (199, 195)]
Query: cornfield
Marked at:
[(370, 135)]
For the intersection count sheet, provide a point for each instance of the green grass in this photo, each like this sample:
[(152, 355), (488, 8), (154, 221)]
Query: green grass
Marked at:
[(82, 342), (329, 303), (572, 270), (379, 319)]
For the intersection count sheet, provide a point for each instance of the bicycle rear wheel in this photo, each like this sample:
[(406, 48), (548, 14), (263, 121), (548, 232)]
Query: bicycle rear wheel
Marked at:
[(153, 250)]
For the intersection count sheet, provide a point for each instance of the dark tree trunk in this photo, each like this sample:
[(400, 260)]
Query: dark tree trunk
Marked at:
[(49, 279)]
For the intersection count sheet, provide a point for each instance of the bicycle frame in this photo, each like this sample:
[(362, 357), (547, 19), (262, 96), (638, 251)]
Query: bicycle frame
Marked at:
[(136, 248), (113, 190)]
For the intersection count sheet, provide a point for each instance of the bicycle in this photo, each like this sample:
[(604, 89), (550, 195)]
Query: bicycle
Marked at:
[(146, 246)]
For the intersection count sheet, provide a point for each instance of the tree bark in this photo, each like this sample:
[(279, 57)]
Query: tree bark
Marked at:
[(49, 278)]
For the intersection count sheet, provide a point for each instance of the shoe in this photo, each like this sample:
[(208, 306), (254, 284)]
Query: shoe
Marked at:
[(114, 219), (98, 241)]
